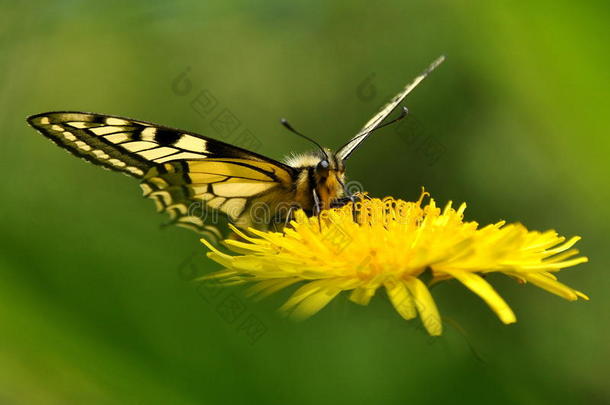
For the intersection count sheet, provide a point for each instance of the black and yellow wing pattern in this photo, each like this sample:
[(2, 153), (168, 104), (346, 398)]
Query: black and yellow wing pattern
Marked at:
[(201, 182)]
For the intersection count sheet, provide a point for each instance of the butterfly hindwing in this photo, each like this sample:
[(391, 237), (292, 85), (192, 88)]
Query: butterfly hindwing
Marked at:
[(199, 181), (199, 192)]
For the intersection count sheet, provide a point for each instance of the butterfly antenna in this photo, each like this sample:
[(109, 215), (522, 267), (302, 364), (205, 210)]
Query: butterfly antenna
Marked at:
[(403, 113), (289, 127)]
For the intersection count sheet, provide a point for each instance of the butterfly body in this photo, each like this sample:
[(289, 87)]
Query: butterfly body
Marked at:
[(202, 183)]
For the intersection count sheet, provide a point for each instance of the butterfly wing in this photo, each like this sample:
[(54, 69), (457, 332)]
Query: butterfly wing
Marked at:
[(201, 182), (387, 109), (202, 194)]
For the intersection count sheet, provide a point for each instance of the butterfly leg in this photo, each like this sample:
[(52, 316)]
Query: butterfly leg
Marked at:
[(317, 207), (280, 221), (289, 214), (316, 203), (340, 202), (346, 198)]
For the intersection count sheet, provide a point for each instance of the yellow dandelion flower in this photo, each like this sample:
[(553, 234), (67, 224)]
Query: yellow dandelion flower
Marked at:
[(389, 244)]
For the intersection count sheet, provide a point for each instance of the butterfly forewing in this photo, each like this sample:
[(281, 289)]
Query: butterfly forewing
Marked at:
[(386, 110), (199, 181)]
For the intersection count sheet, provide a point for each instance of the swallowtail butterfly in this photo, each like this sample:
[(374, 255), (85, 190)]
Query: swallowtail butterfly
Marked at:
[(190, 176)]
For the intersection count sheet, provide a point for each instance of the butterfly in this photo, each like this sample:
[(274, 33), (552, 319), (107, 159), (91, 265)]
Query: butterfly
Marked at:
[(205, 184)]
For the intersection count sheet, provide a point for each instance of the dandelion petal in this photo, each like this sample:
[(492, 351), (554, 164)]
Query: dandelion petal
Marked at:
[(401, 299), (314, 303), (425, 306), (484, 290)]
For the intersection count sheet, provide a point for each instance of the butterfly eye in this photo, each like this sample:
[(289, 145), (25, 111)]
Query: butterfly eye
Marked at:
[(323, 165)]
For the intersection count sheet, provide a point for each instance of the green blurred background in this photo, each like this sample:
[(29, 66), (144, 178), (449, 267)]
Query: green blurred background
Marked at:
[(96, 305)]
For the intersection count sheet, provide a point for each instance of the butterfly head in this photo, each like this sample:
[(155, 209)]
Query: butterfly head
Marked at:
[(328, 165), (321, 171), (329, 174)]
